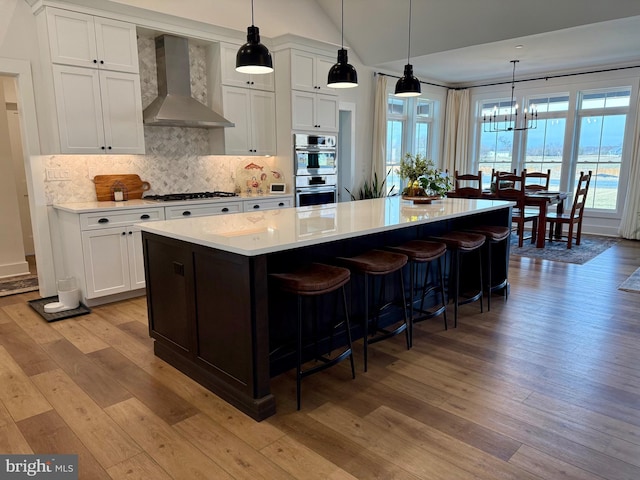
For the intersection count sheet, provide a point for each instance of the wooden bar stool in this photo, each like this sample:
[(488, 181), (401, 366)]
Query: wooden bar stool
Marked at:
[(312, 281), (461, 243), (494, 235), (372, 264), (424, 252)]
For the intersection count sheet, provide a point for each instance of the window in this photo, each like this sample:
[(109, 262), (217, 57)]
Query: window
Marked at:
[(576, 132), (496, 148), (544, 145), (602, 117), (409, 129)]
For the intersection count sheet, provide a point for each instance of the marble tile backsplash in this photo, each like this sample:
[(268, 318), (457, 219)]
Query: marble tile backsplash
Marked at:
[(165, 174)]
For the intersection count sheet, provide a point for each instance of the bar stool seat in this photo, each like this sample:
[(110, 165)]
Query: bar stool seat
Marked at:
[(423, 252), (312, 281), (494, 235), (371, 264), (461, 243)]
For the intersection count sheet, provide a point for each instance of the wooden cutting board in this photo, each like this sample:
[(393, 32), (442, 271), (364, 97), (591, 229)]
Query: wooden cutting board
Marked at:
[(131, 185)]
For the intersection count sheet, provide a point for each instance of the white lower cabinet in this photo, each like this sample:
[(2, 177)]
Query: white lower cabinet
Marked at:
[(103, 250), (266, 204), (113, 262)]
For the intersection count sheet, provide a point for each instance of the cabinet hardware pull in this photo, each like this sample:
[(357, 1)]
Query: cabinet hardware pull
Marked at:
[(130, 233), (95, 61), (145, 217), (102, 147), (124, 233), (225, 209), (109, 147), (281, 204), (256, 206), (178, 268), (101, 62), (103, 220), (186, 213)]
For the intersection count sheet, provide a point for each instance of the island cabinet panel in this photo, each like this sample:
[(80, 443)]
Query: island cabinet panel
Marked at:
[(171, 313), (208, 315), (224, 316)]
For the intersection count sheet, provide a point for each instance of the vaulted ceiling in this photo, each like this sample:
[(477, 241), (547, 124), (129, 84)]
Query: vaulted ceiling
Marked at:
[(470, 41)]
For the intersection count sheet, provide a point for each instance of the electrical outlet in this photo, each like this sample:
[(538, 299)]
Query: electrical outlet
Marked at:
[(58, 175)]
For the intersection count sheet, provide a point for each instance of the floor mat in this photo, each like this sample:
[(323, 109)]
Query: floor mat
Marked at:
[(631, 284), (38, 306), (18, 284), (590, 247)]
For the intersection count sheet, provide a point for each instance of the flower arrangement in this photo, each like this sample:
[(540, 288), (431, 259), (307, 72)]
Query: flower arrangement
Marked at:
[(424, 179)]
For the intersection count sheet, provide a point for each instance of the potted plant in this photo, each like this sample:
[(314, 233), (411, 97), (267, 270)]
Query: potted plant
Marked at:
[(423, 178)]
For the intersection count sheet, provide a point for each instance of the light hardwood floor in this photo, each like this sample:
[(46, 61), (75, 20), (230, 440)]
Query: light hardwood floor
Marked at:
[(545, 386)]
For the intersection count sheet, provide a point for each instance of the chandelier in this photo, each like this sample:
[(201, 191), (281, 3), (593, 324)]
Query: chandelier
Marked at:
[(500, 120)]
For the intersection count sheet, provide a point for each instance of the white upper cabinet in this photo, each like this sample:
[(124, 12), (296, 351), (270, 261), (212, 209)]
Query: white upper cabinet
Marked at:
[(253, 113), (314, 112), (98, 111), (236, 79), (309, 72), (94, 42)]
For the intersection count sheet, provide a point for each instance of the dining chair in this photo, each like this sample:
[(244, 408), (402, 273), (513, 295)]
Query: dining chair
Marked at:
[(536, 181), (511, 186), (496, 174), (574, 218), (467, 185)]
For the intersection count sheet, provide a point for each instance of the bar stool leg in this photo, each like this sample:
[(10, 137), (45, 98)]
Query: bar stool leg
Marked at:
[(366, 321), (299, 351), (407, 321), (348, 328), (444, 313)]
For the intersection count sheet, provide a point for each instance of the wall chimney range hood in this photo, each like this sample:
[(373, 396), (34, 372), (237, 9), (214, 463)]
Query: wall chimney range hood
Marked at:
[(175, 106)]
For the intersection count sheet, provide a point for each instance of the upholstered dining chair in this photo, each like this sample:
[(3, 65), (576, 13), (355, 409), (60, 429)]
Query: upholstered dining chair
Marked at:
[(512, 187), (573, 218)]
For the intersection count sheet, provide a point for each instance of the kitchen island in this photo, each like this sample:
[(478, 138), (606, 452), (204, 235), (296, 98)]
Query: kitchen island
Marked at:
[(211, 311)]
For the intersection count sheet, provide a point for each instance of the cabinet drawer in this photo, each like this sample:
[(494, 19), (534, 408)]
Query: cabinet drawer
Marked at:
[(253, 205), (91, 221), (201, 210)]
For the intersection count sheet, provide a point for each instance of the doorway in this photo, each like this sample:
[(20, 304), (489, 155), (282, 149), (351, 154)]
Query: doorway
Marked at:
[(17, 253), (346, 150)]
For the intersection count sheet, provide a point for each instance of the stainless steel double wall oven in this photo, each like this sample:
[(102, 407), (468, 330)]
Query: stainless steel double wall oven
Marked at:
[(316, 169)]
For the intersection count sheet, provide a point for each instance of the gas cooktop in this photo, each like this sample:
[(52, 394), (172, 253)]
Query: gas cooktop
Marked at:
[(188, 196)]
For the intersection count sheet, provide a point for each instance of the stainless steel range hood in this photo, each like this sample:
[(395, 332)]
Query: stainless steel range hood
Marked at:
[(175, 106)]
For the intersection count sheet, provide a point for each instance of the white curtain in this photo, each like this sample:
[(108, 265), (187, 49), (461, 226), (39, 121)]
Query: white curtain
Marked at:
[(629, 226), (456, 132), (379, 150)]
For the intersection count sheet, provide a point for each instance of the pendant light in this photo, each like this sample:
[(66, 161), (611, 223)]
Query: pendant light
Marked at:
[(342, 74), (408, 85), (253, 57)]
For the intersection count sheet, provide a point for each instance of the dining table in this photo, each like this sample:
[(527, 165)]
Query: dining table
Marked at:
[(542, 199)]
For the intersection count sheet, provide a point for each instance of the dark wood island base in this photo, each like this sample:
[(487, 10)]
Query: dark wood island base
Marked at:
[(209, 308)]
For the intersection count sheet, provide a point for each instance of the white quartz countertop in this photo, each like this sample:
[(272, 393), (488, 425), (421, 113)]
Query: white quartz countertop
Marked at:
[(257, 233), (95, 206)]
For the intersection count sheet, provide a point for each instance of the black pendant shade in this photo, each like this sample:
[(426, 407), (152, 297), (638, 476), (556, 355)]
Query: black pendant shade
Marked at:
[(408, 85), (342, 74), (253, 57)]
